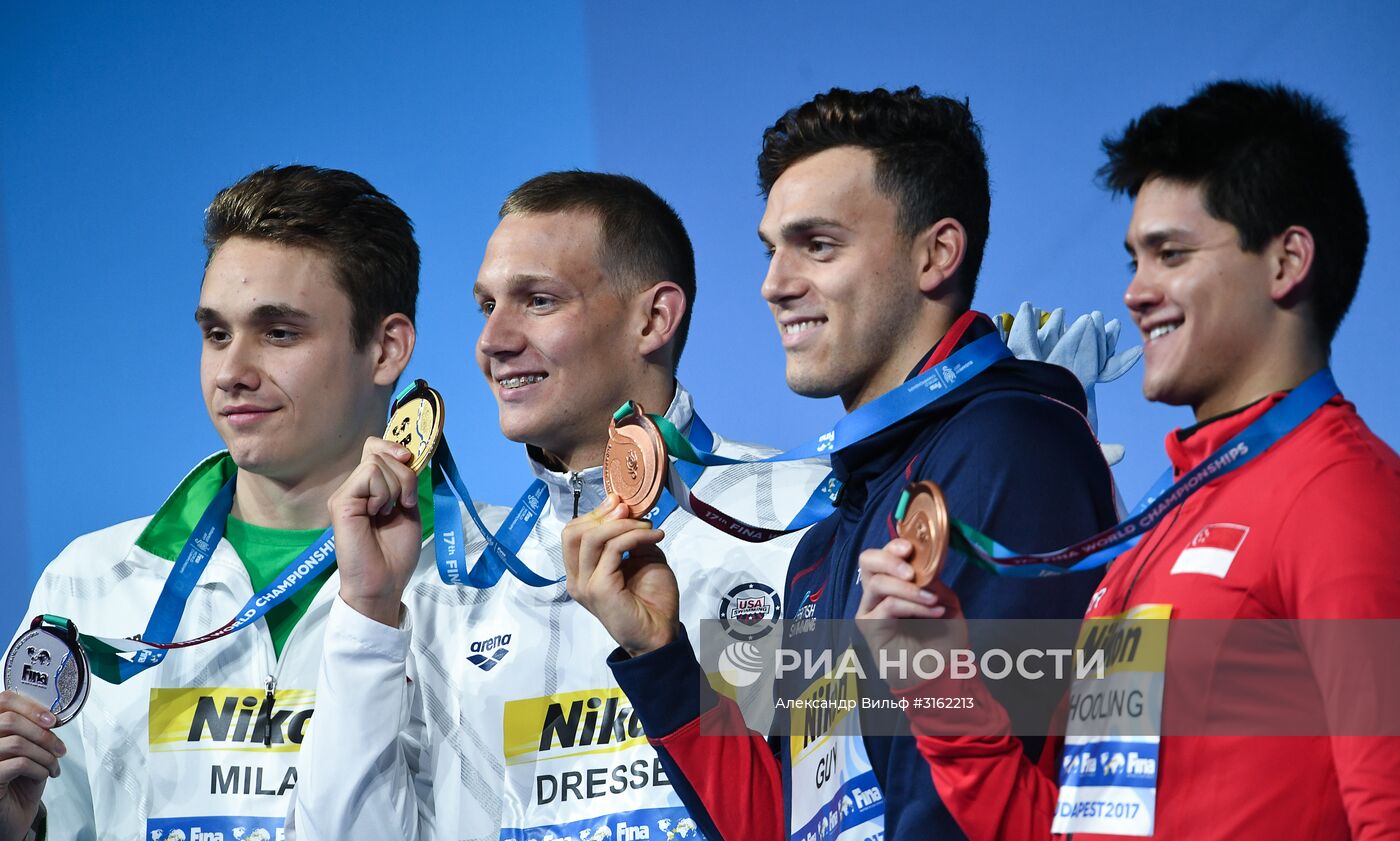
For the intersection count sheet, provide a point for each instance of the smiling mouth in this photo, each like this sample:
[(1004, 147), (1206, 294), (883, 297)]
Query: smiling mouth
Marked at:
[(518, 382), (1161, 330), (800, 326)]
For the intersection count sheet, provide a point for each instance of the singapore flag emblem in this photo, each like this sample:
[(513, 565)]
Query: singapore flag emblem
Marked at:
[(1212, 550)]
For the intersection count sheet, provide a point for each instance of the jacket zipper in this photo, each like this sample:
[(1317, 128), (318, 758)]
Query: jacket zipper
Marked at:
[(576, 482), (265, 714)]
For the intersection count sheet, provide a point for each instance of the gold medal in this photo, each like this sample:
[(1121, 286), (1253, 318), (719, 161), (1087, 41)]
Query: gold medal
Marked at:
[(924, 523), (634, 462), (416, 423)]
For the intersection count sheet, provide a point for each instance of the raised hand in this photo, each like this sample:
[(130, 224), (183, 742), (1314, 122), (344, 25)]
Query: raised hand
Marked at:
[(378, 530), (895, 615), (636, 597)]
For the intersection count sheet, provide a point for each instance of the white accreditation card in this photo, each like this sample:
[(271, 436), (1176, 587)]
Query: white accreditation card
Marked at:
[(1108, 772)]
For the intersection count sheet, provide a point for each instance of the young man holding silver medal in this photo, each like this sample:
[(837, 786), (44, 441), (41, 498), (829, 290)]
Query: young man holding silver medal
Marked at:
[(876, 218), (306, 311), (1248, 237), (487, 711)]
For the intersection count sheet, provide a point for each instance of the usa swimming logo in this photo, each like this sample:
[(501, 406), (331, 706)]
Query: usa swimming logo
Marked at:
[(487, 654), (750, 611)]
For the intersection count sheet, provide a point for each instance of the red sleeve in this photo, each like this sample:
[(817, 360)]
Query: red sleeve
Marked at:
[(980, 770), (731, 771), (724, 773), (1339, 572)]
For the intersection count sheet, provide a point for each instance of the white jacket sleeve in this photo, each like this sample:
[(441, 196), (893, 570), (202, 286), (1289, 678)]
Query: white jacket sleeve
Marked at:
[(357, 774)]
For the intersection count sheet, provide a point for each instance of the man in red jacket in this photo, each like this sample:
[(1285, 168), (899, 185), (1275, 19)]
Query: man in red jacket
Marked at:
[(1270, 714)]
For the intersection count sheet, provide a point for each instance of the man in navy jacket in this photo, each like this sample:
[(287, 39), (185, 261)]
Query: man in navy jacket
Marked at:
[(875, 223)]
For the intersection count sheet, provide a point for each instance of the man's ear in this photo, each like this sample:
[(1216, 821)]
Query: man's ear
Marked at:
[(1292, 253), (392, 347), (661, 308), (938, 253)]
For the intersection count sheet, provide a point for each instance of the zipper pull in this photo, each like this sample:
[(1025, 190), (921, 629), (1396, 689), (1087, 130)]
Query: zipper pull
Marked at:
[(576, 482), (265, 714)]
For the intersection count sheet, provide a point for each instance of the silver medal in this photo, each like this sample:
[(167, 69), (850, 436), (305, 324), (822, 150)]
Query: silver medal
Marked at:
[(47, 664)]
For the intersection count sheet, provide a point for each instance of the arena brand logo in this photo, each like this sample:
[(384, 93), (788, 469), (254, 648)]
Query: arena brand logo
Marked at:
[(488, 653), (750, 611)]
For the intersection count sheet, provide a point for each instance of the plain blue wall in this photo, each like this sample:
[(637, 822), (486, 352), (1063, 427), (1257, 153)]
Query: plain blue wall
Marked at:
[(119, 123)]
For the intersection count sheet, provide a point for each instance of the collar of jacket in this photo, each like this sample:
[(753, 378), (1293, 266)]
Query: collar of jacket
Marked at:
[(165, 535), (561, 488), (1189, 446), (864, 460)]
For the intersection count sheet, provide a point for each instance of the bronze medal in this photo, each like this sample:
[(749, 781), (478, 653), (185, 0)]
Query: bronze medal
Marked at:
[(634, 462), (416, 423), (925, 524), (47, 664)]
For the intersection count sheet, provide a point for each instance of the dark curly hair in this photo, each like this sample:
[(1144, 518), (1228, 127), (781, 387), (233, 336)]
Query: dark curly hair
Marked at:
[(928, 156)]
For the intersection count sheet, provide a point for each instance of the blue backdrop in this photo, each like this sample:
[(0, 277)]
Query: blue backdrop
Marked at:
[(119, 122)]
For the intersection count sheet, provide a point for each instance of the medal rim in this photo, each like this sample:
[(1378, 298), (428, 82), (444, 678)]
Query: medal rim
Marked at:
[(653, 454), (927, 498), (421, 391), (67, 711)]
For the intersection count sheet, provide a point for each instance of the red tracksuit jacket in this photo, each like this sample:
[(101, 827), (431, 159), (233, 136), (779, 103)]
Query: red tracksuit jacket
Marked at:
[(1314, 528)]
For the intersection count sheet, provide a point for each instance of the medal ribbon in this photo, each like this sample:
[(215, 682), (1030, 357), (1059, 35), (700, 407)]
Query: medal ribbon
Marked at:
[(884, 411), (501, 547), (1163, 498), (890, 408), (150, 648)]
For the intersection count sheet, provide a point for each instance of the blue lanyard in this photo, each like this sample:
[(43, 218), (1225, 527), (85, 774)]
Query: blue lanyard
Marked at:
[(502, 547), (156, 640), (918, 393), (884, 411), (1164, 496)]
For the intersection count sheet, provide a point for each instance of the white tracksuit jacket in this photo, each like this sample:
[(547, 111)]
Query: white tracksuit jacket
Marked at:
[(176, 753), (492, 713)]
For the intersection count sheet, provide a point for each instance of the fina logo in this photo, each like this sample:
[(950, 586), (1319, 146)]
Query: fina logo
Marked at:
[(488, 653), (750, 611), (239, 834)]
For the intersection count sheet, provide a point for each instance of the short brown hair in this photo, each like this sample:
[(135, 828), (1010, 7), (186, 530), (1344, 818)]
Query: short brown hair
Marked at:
[(338, 213), (644, 240)]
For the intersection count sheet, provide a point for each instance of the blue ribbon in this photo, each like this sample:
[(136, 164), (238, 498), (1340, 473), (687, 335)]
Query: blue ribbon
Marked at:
[(1165, 495), (500, 554), (190, 565), (502, 546)]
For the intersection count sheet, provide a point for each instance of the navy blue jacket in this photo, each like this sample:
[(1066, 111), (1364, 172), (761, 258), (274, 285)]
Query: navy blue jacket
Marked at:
[(1015, 458)]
